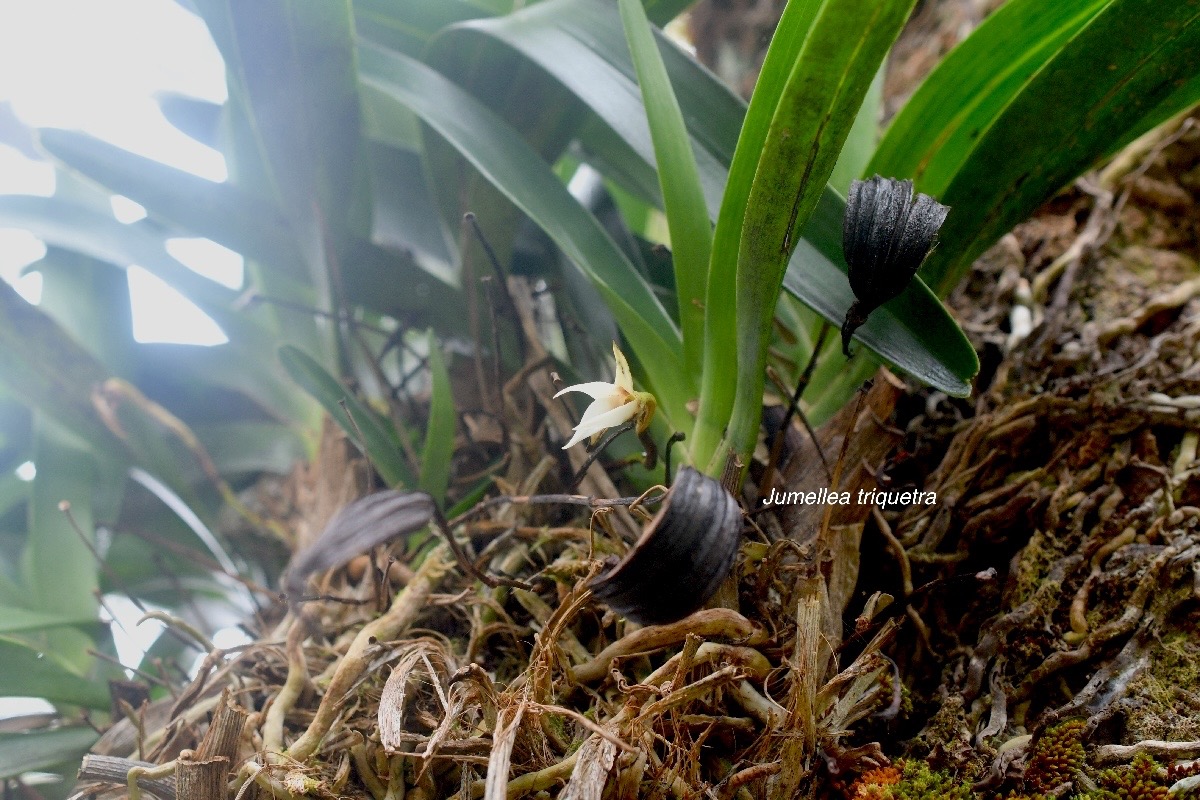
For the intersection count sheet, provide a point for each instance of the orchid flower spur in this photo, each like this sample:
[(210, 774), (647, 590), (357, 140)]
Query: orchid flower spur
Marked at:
[(612, 403)]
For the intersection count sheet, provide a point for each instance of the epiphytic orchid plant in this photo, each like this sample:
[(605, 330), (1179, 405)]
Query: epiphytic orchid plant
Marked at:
[(775, 218)]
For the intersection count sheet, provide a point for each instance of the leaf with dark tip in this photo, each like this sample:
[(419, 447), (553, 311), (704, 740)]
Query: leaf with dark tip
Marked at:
[(356, 529)]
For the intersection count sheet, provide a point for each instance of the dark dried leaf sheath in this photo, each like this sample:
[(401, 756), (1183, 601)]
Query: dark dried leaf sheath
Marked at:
[(360, 526), (682, 557), (886, 235)]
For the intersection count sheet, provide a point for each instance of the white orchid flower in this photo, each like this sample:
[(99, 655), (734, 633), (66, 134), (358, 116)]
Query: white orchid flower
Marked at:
[(612, 403)]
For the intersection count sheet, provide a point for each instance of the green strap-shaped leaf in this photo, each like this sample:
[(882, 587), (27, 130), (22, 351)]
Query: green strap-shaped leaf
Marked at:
[(941, 124), (581, 44), (914, 332), (16, 619), (48, 370), (683, 195), (245, 365), (38, 750), (291, 70), (408, 25), (862, 139), (508, 163), (359, 422), (821, 92), (1084, 101), (28, 672), (403, 215), (438, 451), (384, 281), (219, 211)]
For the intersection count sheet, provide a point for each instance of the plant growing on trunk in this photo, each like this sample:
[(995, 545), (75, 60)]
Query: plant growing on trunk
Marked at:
[(357, 133)]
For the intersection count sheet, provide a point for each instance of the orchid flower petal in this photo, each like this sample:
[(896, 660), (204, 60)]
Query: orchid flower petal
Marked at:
[(624, 378), (607, 419), (602, 406), (600, 422), (596, 389)]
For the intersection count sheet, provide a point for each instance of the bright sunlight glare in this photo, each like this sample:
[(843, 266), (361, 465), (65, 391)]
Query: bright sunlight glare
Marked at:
[(97, 68), (20, 174), (125, 210), (19, 249), (210, 259), (164, 315), (131, 636)]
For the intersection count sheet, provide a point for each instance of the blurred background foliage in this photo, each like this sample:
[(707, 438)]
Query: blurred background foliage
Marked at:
[(355, 136)]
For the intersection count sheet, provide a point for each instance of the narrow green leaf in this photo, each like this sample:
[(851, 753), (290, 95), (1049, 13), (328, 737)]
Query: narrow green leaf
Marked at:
[(27, 672), (679, 179), (219, 211), (581, 44), (408, 25), (37, 750), (61, 569), (291, 69), (862, 139), (661, 12), (403, 214), (15, 619), (359, 422), (387, 123), (718, 383), (471, 498), (48, 370), (439, 435), (508, 163), (1099, 95), (824, 88), (942, 123)]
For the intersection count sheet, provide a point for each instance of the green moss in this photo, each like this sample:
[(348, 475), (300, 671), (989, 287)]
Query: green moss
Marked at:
[(1174, 674), (915, 782), (1137, 781), (1057, 756), (1033, 564)]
